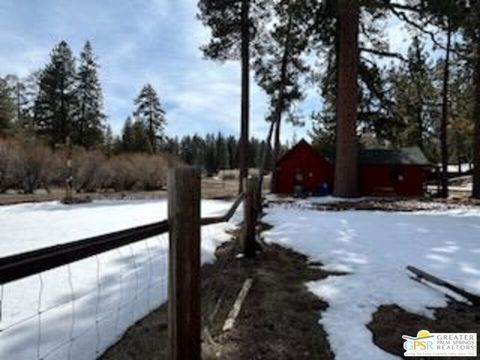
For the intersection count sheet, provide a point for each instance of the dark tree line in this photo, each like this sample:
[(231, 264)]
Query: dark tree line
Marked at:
[(215, 152)]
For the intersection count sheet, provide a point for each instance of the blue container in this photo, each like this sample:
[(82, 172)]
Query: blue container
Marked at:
[(324, 189)]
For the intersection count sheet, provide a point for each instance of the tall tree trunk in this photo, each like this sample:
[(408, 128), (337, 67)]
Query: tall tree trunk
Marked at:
[(276, 140), (444, 124), (346, 163), (279, 106), (476, 118), (459, 152), (245, 50), (265, 149), (419, 100)]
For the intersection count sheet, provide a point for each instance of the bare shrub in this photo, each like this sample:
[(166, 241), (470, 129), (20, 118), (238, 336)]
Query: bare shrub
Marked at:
[(8, 150), (31, 166), (57, 170), (88, 170), (27, 165), (149, 170), (121, 173), (137, 172)]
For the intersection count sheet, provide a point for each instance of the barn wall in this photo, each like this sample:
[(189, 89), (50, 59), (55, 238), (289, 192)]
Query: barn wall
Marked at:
[(384, 180), (314, 167)]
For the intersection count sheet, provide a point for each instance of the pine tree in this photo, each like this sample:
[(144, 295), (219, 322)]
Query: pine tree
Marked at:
[(22, 119), (17, 88), (108, 141), (280, 65), (6, 107), (421, 102), (222, 152), (186, 150), (127, 136), (199, 151), (460, 126), (89, 124), (150, 112), (323, 128), (233, 26), (374, 111), (473, 34), (445, 112), (56, 103), (31, 89), (210, 160), (232, 146), (141, 142), (445, 15), (172, 146)]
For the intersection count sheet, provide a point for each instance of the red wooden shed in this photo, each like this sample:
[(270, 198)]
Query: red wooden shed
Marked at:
[(302, 165), (381, 171)]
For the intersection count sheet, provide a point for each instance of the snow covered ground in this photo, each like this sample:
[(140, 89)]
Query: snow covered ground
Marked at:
[(77, 311), (454, 167), (374, 248)]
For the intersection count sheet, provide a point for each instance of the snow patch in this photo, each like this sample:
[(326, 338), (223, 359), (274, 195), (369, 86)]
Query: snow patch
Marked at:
[(375, 247), (77, 311)]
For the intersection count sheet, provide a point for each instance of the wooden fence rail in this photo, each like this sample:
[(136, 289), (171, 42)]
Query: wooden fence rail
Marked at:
[(19, 266), (30, 263)]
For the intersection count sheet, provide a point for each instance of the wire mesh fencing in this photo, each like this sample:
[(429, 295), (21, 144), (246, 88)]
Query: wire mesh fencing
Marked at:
[(78, 310), (214, 235)]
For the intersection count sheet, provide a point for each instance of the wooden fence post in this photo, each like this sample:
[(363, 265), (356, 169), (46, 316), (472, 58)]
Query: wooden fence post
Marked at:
[(250, 213), (259, 205), (184, 296)]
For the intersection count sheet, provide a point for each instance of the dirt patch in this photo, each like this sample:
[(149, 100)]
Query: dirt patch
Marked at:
[(390, 322), (278, 320)]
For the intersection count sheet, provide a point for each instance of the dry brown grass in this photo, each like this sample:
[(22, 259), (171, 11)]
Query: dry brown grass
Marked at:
[(211, 189)]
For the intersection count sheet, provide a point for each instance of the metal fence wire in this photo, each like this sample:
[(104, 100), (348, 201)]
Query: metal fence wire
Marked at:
[(78, 309)]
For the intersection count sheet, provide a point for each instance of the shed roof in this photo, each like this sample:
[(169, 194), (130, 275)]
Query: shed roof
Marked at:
[(404, 156)]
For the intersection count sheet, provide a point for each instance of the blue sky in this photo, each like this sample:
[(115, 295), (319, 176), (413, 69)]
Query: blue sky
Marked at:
[(140, 41)]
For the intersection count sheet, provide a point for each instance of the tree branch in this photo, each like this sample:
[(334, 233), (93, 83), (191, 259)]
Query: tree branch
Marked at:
[(384, 53)]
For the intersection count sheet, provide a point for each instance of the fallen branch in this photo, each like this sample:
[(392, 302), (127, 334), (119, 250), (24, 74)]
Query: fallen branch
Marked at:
[(474, 299), (233, 314)]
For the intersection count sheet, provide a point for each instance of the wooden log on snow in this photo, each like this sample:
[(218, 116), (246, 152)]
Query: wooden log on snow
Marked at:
[(237, 306), (474, 299)]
